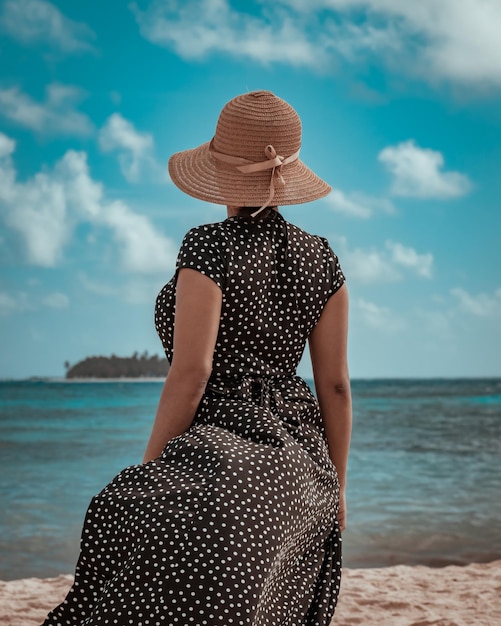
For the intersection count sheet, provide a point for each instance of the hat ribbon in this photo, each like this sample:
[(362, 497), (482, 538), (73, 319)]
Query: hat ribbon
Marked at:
[(274, 163)]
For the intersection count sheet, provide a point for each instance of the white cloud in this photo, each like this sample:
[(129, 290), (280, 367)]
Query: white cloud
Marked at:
[(199, 27), (97, 287), (7, 303), (408, 257), (56, 300), (135, 149), (379, 317), (447, 40), (18, 302), (452, 40), (374, 203), (7, 146), (417, 172), (143, 248), (15, 302), (481, 304), (83, 194), (357, 204), (382, 266), (56, 115), (37, 210), (7, 174), (133, 291), (368, 266), (45, 210), (38, 21), (339, 202)]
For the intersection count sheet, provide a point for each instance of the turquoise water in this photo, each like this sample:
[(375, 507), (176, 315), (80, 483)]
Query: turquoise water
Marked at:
[(424, 476)]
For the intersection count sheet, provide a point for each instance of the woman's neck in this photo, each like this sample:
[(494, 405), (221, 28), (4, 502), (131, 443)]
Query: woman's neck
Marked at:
[(237, 210)]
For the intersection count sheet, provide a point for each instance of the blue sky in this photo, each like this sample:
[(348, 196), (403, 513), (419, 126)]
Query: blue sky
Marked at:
[(401, 110)]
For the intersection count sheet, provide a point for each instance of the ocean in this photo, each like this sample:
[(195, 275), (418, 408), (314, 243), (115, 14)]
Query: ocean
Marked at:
[(424, 482)]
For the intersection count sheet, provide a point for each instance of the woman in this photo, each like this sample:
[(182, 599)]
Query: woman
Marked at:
[(235, 515)]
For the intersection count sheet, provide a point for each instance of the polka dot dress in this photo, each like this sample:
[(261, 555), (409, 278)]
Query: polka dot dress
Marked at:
[(235, 523)]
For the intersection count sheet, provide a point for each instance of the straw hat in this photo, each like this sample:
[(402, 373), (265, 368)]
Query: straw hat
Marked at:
[(253, 159)]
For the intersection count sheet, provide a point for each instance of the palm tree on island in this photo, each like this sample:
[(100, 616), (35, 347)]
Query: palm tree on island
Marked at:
[(113, 366)]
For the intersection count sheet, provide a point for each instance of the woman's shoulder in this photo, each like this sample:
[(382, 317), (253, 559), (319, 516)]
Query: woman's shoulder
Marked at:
[(306, 238), (209, 233), (225, 233)]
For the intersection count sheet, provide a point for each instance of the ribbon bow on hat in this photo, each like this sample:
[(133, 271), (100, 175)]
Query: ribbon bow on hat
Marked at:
[(273, 162)]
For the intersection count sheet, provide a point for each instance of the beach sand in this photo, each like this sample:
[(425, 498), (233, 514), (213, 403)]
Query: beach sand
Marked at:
[(390, 596)]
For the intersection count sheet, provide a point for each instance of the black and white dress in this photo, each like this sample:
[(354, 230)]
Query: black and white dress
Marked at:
[(235, 523)]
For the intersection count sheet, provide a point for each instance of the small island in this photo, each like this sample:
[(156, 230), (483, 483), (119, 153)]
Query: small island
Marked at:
[(113, 366)]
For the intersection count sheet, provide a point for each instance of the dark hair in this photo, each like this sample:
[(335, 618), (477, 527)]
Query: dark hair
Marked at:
[(268, 213)]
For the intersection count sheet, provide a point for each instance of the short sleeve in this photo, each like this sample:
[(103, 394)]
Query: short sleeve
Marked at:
[(202, 251), (335, 273)]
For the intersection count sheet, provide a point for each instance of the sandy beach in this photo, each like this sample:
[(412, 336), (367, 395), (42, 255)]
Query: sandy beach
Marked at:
[(391, 596)]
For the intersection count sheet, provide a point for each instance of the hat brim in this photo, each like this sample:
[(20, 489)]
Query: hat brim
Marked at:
[(200, 175)]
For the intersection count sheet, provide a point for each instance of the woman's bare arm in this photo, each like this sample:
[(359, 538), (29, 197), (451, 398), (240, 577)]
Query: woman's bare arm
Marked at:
[(198, 311), (328, 350)]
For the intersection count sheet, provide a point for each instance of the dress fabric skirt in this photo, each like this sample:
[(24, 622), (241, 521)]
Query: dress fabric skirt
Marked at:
[(234, 523)]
